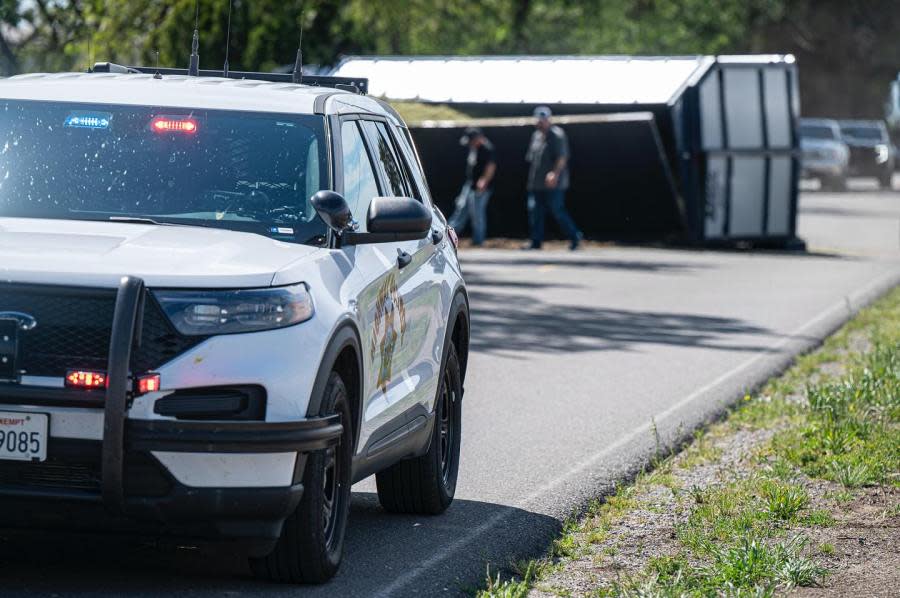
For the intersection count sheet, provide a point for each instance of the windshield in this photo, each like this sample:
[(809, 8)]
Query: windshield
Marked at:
[(862, 132), (243, 171), (816, 132)]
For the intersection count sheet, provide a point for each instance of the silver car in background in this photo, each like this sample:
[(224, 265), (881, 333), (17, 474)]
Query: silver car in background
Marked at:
[(871, 152), (825, 156)]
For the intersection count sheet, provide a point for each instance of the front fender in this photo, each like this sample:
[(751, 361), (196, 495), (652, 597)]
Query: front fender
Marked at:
[(346, 335)]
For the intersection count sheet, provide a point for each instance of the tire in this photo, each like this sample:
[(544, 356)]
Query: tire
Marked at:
[(885, 180), (425, 485), (312, 540), (836, 183)]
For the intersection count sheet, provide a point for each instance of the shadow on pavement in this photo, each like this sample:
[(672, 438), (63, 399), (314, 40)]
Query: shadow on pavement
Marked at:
[(509, 322), (380, 548), (578, 260), (848, 212)]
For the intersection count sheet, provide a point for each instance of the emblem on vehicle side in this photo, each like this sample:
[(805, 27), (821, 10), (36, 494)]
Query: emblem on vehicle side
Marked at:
[(390, 315), (26, 322)]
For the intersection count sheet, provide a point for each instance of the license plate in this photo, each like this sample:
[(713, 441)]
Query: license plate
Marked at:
[(23, 436)]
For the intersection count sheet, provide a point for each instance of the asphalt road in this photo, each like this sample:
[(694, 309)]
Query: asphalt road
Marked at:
[(583, 365)]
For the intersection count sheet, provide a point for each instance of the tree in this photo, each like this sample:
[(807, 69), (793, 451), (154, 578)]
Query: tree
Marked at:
[(846, 48)]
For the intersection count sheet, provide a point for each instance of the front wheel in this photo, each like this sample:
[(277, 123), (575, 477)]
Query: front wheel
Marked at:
[(312, 540), (425, 485), (834, 183)]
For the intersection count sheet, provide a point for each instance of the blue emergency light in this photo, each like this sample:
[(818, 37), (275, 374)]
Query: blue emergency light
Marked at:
[(88, 120)]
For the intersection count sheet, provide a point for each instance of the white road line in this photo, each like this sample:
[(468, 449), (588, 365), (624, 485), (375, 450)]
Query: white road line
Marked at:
[(848, 304)]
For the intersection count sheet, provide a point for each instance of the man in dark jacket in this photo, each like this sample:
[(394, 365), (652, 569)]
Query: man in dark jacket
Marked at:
[(481, 166), (548, 180)]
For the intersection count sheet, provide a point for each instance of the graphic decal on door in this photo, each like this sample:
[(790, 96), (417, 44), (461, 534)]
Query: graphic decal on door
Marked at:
[(390, 327)]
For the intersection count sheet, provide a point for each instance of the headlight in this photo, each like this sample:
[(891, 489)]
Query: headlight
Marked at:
[(228, 312), (882, 153)]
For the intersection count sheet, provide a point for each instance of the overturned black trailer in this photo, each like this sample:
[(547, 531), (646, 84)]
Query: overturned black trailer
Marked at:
[(701, 149)]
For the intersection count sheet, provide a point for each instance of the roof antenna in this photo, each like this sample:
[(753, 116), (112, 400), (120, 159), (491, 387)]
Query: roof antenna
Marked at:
[(297, 74), (156, 75), (228, 39), (194, 68)]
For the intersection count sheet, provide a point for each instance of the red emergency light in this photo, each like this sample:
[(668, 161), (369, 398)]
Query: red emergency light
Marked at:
[(167, 124), (145, 384), (85, 379)]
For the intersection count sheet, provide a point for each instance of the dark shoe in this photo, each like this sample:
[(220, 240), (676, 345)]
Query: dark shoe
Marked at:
[(576, 241)]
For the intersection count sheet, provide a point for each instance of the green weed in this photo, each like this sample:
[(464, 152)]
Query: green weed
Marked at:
[(784, 501)]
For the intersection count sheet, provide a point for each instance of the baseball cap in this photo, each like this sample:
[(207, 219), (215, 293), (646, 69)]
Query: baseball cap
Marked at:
[(542, 112), (469, 134)]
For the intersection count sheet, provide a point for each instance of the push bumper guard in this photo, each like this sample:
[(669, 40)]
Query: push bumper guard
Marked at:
[(121, 436)]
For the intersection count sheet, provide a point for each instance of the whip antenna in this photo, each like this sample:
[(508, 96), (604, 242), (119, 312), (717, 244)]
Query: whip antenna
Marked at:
[(194, 68), (297, 75), (228, 38)]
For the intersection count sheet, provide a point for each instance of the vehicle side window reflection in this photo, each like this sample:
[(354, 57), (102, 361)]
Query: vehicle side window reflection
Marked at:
[(386, 155), (417, 180), (360, 180)]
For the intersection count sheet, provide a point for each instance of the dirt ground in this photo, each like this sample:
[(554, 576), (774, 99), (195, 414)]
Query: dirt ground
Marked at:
[(860, 550), (866, 561)]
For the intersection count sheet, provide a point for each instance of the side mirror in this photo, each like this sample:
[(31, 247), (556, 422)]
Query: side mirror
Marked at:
[(332, 208), (392, 219), (398, 215)]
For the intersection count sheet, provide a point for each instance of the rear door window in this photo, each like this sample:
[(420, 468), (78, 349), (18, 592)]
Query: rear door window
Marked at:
[(386, 156), (417, 178)]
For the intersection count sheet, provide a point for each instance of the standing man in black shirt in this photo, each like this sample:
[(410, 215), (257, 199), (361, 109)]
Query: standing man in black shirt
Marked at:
[(481, 166), (548, 180)]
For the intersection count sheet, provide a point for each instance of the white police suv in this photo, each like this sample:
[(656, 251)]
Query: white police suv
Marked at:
[(222, 302)]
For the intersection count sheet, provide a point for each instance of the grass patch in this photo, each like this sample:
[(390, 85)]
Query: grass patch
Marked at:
[(496, 587), (415, 112), (851, 432), (700, 452), (837, 412), (784, 501)]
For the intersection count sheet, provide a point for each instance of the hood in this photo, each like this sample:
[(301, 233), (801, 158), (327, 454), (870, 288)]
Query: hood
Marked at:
[(815, 144), (100, 253), (860, 142)]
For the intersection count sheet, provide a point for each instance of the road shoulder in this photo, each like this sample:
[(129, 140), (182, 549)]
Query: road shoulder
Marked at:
[(797, 490)]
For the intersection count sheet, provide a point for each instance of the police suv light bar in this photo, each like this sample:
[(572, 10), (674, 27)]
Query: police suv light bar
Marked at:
[(358, 85)]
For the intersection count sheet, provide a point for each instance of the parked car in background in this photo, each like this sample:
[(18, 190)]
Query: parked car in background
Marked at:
[(825, 156), (892, 116), (871, 151)]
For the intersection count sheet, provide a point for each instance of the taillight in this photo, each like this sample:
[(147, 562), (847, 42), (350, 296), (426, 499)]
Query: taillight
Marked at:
[(85, 379)]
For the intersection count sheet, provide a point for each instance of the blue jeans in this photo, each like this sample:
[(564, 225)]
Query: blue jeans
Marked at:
[(470, 204), (552, 200)]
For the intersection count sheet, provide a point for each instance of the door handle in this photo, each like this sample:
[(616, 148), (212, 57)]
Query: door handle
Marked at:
[(437, 236), (403, 259)]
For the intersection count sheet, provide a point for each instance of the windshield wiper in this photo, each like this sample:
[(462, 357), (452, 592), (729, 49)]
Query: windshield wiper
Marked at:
[(146, 220), (137, 220)]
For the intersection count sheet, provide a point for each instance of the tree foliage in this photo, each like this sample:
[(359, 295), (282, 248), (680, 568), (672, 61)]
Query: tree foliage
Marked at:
[(833, 37), (265, 33)]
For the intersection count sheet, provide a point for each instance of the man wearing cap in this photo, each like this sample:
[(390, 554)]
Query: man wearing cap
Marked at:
[(548, 180), (481, 166)]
